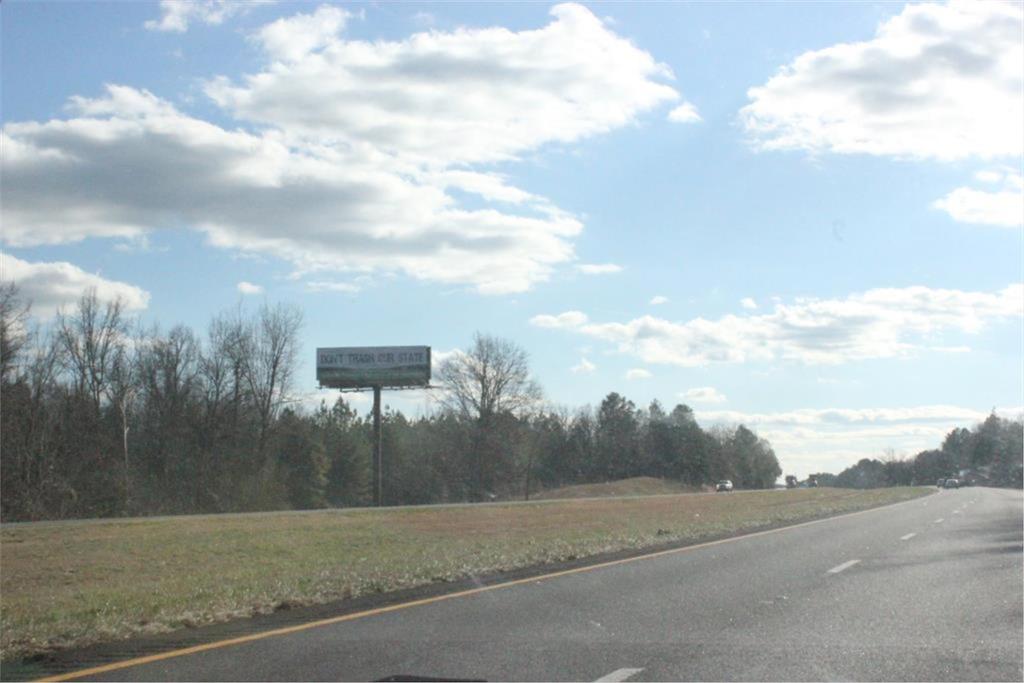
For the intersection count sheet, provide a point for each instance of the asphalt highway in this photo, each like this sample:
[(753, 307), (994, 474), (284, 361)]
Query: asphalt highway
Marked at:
[(925, 590)]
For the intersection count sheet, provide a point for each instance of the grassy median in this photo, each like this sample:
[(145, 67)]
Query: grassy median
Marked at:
[(68, 584)]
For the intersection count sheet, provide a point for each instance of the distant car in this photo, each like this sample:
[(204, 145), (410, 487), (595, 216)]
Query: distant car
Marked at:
[(951, 484), (724, 485), (940, 483)]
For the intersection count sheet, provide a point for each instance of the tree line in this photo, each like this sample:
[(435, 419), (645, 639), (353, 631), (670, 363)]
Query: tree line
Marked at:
[(991, 454), (101, 417)]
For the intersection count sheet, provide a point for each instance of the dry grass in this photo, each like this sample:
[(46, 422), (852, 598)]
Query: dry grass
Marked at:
[(67, 584), (636, 486)]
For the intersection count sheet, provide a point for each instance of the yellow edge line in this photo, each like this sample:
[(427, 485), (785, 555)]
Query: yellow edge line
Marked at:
[(437, 598)]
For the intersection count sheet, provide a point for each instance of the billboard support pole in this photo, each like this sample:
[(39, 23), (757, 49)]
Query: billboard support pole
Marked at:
[(378, 451), (358, 368)]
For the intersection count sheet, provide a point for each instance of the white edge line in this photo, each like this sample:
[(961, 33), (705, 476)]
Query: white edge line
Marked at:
[(618, 675), (908, 536), (844, 565)]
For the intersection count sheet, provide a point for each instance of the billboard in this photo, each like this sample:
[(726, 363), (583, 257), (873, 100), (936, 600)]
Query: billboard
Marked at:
[(360, 367)]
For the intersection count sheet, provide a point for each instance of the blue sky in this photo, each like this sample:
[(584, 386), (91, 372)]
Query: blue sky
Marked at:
[(805, 217)]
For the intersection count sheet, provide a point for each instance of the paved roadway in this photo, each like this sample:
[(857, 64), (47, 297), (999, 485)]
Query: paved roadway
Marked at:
[(926, 590)]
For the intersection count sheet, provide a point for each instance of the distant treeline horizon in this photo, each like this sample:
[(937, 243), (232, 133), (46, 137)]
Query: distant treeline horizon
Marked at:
[(101, 418), (992, 453)]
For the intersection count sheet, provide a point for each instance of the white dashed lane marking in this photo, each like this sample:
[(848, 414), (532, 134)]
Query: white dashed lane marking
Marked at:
[(940, 520), (907, 537), (844, 565), (619, 675)]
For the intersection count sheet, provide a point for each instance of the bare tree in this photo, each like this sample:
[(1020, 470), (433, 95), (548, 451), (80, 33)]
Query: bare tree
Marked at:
[(215, 373), (28, 431), (890, 454), (14, 333), (223, 370), (268, 352), (493, 377), (92, 338), (489, 381), (169, 368)]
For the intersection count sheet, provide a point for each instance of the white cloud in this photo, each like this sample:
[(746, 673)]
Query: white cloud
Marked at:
[(437, 394), (1004, 207), (937, 81), (568, 319), (879, 323), (658, 300), (294, 38), (438, 357), (848, 416), (357, 145), (140, 243), (831, 439), (131, 163), (637, 373), (249, 288), (568, 80), (703, 395), (424, 18), (989, 176), (332, 286), (684, 113), (176, 15), (585, 367), (748, 303), (490, 186), (50, 286), (598, 268)]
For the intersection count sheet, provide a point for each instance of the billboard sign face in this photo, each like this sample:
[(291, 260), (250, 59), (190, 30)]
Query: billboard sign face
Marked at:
[(360, 367)]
